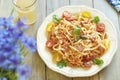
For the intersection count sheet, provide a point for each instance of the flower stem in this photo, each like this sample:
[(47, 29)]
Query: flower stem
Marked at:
[(12, 11)]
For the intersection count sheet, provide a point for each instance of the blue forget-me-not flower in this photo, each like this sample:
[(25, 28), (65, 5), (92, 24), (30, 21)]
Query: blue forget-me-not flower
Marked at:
[(12, 35)]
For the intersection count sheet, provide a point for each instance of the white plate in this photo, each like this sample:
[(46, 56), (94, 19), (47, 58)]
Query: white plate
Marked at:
[(69, 71)]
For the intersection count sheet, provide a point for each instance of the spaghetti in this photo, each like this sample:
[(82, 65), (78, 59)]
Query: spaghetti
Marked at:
[(77, 38)]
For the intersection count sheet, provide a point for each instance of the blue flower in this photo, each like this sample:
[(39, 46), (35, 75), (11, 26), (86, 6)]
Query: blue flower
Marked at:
[(12, 36), (28, 42), (20, 23), (15, 59), (23, 71), (3, 78), (2, 59), (2, 21)]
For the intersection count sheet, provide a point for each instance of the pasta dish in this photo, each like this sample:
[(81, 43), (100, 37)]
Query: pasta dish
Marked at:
[(77, 39)]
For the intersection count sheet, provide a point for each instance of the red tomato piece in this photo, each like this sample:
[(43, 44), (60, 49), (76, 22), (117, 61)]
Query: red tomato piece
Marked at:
[(90, 58), (100, 27), (67, 15), (50, 44), (88, 64)]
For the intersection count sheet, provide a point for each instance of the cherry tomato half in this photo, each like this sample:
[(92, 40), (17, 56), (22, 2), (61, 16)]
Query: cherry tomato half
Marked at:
[(100, 27), (50, 44), (67, 15)]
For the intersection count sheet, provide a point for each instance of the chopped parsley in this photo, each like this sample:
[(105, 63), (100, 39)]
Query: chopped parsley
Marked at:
[(62, 63), (56, 19)]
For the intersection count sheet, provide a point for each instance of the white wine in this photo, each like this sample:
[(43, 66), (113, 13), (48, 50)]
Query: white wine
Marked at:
[(27, 9)]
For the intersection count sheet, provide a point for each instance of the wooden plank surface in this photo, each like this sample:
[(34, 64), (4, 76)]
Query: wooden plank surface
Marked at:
[(82, 2), (111, 72), (34, 60), (55, 4), (106, 73), (5, 8), (45, 7)]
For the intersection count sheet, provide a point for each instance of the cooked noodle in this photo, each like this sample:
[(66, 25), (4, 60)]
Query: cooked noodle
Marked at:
[(78, 51)]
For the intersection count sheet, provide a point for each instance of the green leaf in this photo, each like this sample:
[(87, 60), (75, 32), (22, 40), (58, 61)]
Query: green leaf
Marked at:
[(62, 63), (81, 37), (77, 30), (56, 19), (98, 61), (9, 74), (96, 19)]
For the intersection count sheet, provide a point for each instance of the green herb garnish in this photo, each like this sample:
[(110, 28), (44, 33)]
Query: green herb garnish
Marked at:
[(56, 19), (96, 19), (62, 63), (83, 37), (98, 61), (77, 30)]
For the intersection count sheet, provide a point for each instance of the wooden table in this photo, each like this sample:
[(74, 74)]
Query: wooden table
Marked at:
[(39, 70)]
